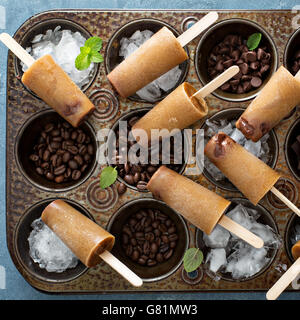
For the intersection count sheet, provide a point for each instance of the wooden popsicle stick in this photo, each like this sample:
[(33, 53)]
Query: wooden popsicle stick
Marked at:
[(19, 51), (284, 281), (285, 200), (241, 232), (120, 267), (217, 82), (197, 28)]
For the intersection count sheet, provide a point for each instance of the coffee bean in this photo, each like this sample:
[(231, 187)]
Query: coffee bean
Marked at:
[(55, 133), (66, 157), (39, 170), (151, 263), (129, 178), (49, 127), (76, 174), (154, 247), (59, 179), (125, 238), (49, 176), (142, 261), (46, 155), (73, 164), (159, 257), (172, 230), (121, 188), (135, 255), (34, 157), (168, 254), (141, 185), (60, 170)]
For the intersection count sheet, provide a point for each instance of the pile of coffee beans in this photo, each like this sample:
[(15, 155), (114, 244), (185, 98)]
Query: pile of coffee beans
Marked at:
[(149, 237), (139, 174), (62, 153), (254, 64), (296, 62)]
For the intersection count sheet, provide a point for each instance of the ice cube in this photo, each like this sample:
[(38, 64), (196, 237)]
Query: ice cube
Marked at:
[(151, 92), (265, 232), (46, 249), (246, 261), (227, 129), (213, 170), (168, 80), (238, 136), (216, 259), (240, 215), (218, 238), (253, 147)]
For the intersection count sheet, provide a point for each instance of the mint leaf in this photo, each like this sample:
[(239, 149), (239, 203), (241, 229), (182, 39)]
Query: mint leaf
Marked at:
[(108, 176), (253, 41), (82, 61), (96, 57), (95, 43), (89, 53), (192, 259)]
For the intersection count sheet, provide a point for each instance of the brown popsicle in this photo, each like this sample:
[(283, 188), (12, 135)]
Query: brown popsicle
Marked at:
[(162, 52), (288, 276), (177, 111), (49, 81), (85, 238), (276, 100), (147, 63), (248, 173), (197, 204)]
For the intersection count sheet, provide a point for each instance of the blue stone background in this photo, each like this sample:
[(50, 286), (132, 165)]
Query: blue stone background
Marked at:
[(17, 11)]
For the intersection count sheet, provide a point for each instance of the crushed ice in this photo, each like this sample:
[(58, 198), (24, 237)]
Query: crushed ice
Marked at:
[(64, 47), (164, 83), (46, 249), (229, 254)]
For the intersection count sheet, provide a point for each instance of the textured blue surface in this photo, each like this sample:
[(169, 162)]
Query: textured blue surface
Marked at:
[(17, 11)]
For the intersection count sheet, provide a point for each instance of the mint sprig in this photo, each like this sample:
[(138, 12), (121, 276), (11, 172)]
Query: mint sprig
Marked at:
[(89, 53), (108, 176), (192, 259), (254, 40)]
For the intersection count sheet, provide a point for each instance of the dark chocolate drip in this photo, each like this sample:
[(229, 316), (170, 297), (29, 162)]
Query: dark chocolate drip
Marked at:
[(221, 140), (245, 127)]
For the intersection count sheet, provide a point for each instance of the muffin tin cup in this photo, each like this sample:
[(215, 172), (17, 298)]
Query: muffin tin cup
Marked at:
[(290, 155), (234, 114), (161, 270), (21, 234), (25, 141), (288, 235), (139, 112), (112, 58), (21, 193), (292, 45), (41, 28), (265, 218), (215, 35)]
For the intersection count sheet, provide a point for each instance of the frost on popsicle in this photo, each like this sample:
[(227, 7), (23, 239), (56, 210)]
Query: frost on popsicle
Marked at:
[(164, 83), (64, 47), (229, 254), (46, 249)]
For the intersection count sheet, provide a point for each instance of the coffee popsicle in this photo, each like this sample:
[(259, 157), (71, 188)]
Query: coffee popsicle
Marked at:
[(179, 109), (49, 81), (248, 173), (276, 100), (85, 238), (162, 52), (290, 275), (202, 207)]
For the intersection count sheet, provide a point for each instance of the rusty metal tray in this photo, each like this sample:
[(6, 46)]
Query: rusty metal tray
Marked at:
[(20, 194)]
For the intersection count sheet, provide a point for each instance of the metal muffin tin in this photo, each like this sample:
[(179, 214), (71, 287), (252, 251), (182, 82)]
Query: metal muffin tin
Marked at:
[(21, 195)]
